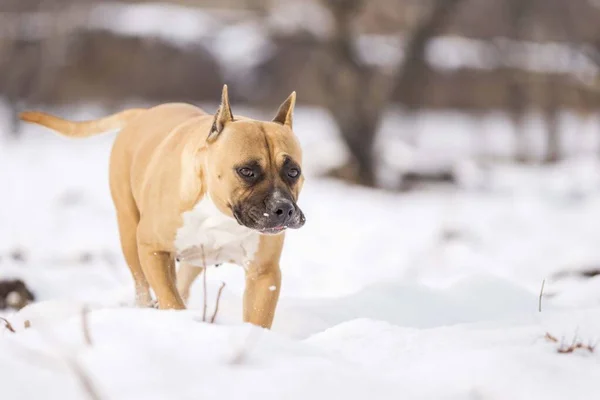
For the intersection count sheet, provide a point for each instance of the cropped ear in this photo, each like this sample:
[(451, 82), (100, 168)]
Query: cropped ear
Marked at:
[(286, 111), (222, 116)]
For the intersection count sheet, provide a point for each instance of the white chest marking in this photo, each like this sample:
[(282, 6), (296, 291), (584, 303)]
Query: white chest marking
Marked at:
[(209, 237)]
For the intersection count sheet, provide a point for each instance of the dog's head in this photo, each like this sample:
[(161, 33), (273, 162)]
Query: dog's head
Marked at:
[(254, 168)]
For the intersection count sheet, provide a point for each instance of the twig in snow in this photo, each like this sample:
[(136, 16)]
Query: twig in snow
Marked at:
[(240, 354), (212, 320), (551, 338), (540, 299), (83, 377), (48, 360), (575, 344), (204, 284), (8, 325), (204, 289), (85, 326)]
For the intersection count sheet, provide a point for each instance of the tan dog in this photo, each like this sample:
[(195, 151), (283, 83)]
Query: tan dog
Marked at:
[(205, 189)]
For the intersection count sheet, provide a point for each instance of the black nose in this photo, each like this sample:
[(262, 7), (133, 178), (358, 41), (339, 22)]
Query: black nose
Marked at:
[(281, 211)]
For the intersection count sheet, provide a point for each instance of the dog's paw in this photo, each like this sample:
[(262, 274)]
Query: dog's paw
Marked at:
[(154, 304), (145, 303)]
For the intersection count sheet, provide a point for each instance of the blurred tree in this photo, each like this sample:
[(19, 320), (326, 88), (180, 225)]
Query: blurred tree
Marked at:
[(552, 121), (353, 91), (328, 62), (413, 73), (519, 13), (29, 67), (356, 94), (559, 18)]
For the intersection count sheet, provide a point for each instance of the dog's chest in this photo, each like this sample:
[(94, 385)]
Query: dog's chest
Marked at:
[(208, 237)]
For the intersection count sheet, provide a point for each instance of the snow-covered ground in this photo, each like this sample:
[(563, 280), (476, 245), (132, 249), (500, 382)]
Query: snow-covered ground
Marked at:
[(431, 294)]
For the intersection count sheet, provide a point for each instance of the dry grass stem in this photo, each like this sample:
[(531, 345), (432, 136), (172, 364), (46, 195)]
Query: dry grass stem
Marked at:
[(575, 344), (214, 316), (8, 325), (50, 361), (83, 378), (242, 352), (540, 298), (551, 338), (85, 326), (204, 285)]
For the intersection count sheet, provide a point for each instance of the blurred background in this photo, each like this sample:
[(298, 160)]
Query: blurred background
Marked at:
[(442, 137), (354, 59)]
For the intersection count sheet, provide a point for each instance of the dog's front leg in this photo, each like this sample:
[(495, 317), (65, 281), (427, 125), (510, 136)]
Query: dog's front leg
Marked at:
[(261, 294), (159, 269)]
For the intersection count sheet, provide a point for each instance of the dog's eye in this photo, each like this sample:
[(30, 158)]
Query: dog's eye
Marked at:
[(246, 172), (293, 173)]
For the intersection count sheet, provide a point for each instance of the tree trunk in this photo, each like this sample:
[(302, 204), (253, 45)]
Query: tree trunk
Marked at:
[(519, 12), (353, 93), (551, 118), (359, 135), (356, 94), (553, 153), (516, 110), (414, 70)]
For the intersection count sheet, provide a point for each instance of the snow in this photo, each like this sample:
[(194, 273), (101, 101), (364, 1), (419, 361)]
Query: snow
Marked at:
[(291, 16), (470, 361), (431, 294), (141, 354), (146, 354), (240, 48), (174, 23)]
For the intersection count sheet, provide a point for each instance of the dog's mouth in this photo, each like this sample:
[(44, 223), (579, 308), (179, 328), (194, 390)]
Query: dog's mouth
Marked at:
[(273, 231), (264, 224)]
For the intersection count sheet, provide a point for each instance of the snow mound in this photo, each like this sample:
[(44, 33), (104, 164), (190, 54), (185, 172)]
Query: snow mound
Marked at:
[(150, 354), (479, 361)]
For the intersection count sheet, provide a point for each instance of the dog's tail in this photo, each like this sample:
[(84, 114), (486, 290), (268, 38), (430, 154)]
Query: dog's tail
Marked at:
[(81, 129)]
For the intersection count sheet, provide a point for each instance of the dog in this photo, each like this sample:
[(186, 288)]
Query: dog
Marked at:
[(202, 189)]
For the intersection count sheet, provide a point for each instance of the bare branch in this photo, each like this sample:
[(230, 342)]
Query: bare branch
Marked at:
[(242, 352), (575, 344), (83, 377), (49, 361), (85, 326), (540, 298), (214, 316), (8, 325), (550, 337), (204, 284)]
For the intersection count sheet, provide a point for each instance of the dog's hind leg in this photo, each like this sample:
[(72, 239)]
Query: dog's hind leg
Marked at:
[(128, 218), (186, 275), (127, 231)]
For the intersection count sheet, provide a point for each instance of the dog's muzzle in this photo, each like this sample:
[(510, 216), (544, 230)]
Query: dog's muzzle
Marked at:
[(273, 216)]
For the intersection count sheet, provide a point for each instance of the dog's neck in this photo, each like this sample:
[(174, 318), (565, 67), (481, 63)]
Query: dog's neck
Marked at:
[(208, 237)]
